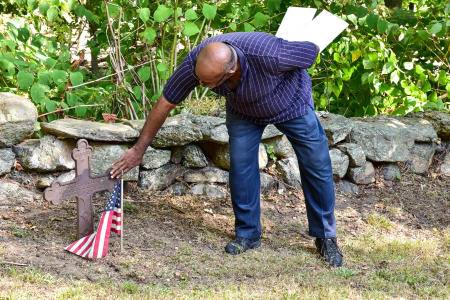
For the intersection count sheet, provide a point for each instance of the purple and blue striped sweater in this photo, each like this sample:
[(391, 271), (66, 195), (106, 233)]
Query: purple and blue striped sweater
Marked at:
[(274, 87)]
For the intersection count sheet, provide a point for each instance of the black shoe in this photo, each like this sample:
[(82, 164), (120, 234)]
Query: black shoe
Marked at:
[(240, 245), (329, 250)]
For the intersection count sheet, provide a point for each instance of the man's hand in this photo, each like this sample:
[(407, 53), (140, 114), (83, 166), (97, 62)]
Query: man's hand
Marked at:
[(126, 162)]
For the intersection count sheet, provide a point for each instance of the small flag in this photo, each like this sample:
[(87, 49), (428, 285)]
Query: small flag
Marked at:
[(96, 244)]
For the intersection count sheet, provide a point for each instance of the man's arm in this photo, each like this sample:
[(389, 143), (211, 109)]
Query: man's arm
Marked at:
[(293, 55), (133, 157)]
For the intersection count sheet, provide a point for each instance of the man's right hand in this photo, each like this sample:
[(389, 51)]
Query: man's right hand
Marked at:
[(130, 159)]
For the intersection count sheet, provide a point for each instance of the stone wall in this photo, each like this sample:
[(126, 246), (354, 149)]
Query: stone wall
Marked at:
[(189, 155)]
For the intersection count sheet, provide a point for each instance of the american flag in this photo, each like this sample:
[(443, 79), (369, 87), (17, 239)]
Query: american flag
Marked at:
[(96, 244)]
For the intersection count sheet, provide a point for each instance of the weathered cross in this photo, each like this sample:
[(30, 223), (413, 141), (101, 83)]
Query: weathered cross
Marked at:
[(83, 187)]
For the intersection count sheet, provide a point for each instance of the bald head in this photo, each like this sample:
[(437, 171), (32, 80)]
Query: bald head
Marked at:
[(214, 61)]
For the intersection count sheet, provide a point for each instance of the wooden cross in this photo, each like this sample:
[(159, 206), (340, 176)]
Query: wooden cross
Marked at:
[(83, 187)]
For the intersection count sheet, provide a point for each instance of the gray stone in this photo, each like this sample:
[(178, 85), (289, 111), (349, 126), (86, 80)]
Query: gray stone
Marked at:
[(7, 158), (440, 121), (339, 162), (178, 189), (268, 183), (155, 158), (270, 132), (347, 187), (44, 181), (289, 171), (280, 146), (161, 178), (362, 175), (193, 157), (104, 155), (389, 139), (336, 127), (13, 194), (47, 154), (176, 131), (391, 172), (66, 177), (208, 174), (208, 190), (221, 157), (94, 131), (18, 116), (355, 152), (445, 166), (421, 157)]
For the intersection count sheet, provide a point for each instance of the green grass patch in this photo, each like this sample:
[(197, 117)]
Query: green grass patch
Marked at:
[(379, 222)]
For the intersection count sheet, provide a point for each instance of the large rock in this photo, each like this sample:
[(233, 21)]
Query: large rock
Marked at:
[(440, 121), (18, 116), (7, 158), (176, 131), (421, 157), (391, 172), (104, 155), (280, 146), (339, 162), (47, 154), (220, 155), (347, 187), (445, 166), (336, 127), (155, 158), (362, 175), (178, 189), (193, 157), (289, 171), (355, 152), (208, 190), (94, 131), (268, 183), (13, 194), (215, 130), (161, 178), (208, 174), (388, 139)]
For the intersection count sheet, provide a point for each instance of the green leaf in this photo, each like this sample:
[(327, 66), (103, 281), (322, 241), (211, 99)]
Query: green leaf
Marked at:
[(52, 13), (436, 28), (144, 14), (50, 62), (372, 21), (419, 70), (59, 76), (368, 64), (209, 11), (80, 112), (25, 79), (260, 19), (190, 15), (43, 7), (149, 35), (162, 13), (137, 92), (23, 34), (423, 34), (273, 5), (233, 26), (248, 27), (388, 68), (76, 78), (442, 78), (162, 67), (144, 73), (50, 105), (45, 77), (38, 92), (190, 29), (72, 99), (408, 65), (113, 10), (382, 26), (395, 77)]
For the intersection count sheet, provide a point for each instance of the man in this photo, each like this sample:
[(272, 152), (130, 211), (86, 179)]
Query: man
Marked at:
[(264, 80)]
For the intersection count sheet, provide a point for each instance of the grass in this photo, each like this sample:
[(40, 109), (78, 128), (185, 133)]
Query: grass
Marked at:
[(205, 106)]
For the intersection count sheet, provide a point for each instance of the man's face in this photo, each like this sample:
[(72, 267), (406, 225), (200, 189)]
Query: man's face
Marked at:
[(212, 81)]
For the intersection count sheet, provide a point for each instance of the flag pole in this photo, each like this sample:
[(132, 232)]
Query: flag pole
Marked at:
[(123, 211)]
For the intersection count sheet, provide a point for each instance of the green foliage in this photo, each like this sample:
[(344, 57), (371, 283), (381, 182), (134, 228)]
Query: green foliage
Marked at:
[(387, 61)]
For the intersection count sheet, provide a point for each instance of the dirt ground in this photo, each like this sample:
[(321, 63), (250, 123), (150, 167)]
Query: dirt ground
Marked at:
[(177, 242)]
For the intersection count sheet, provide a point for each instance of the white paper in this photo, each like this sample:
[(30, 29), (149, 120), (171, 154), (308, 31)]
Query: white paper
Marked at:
[(321, 30), (294, 19)]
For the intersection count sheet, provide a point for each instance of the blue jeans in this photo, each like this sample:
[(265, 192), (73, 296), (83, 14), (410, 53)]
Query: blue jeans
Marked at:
[(311, 148)]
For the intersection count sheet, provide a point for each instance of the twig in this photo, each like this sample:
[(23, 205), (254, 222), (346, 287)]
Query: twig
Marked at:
[(64, 109), (12, 263)]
